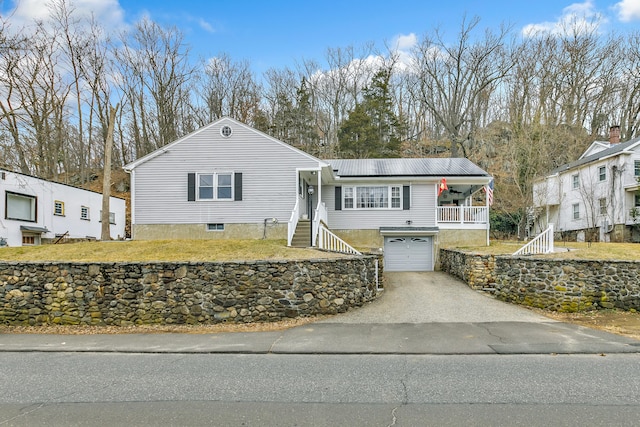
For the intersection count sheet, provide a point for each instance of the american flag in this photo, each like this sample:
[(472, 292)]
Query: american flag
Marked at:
[(489, 190)]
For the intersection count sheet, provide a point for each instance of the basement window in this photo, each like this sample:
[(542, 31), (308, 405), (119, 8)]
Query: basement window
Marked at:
[(215, 227)]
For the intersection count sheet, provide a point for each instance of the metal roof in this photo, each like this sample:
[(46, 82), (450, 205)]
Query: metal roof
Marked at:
[(406, 167), (616, 149)]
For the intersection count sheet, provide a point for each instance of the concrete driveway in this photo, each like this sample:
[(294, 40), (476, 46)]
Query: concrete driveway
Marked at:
[(434, 297)]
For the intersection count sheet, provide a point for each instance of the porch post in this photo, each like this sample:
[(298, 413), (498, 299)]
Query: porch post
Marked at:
[(488, 216)]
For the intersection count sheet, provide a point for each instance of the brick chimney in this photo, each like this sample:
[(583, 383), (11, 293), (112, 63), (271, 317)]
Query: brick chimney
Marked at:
[(614, 135)]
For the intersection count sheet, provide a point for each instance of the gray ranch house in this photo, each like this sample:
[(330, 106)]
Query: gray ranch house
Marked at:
[(228, 180)]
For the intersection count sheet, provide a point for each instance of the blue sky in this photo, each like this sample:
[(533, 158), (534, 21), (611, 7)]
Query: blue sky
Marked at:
[(281, 33)]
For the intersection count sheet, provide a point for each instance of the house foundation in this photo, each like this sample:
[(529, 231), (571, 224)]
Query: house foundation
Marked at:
[(209, 231)]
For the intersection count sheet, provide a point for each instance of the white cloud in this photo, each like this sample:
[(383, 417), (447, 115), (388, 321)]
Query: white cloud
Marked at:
[(580, 17), (206, 26), (405, 42), (628, 10), (107, 12), (402, 45)]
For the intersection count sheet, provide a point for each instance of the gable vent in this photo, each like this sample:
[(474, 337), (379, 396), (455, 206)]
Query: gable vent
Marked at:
[(226, 131)]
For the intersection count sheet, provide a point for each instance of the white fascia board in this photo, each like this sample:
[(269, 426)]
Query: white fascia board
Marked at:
[(415, 179)]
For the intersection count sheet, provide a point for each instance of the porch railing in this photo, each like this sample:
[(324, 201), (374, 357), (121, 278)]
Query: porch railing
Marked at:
[(463, 214), (330, 242), (293, 222), (541, 244), (320, 216)]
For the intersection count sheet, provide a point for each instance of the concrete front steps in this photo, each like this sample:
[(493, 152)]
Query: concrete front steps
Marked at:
[(302, 236)]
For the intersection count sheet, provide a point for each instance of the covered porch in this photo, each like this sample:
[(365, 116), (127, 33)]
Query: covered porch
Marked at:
[(464, 205)]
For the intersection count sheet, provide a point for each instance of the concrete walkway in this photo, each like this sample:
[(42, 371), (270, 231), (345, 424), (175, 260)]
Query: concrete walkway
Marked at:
[(419, 313), (434, 297)]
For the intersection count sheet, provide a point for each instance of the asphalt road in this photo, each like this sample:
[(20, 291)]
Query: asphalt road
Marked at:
[(317, 390)]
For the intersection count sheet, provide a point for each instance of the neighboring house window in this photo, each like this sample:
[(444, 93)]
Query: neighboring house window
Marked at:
[(215, 227), (372, 197), (636, 168), (20, 207), (576, 211), (636, 201), (112, 217), (84, 213), (602, 173), (215, 186), (575, 179), (58, 208), (603, 206), (28, 240)]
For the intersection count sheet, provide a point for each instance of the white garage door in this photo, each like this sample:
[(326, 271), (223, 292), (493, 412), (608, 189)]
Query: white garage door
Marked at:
[(408, 253)]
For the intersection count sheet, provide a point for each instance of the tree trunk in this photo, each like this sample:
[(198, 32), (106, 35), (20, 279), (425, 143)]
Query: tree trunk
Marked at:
[(106, 180)]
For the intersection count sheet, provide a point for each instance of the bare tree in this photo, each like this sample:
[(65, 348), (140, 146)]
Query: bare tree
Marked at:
[(227, 88), (456, 80), (155, 75)]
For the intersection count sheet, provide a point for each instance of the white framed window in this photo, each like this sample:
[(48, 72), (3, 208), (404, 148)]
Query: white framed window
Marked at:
[(575, 181), (348, 197), (215, 186), (215, 227), (372, 197), (58, 208), (636, 168), (20, 207), (603, 206), (84, 213), (602, 173), (576, 210)]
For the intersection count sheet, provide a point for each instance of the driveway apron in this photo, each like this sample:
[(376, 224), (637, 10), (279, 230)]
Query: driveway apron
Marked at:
[(434, 297)]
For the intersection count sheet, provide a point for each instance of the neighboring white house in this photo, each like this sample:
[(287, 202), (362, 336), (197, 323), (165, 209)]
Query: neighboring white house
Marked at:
[(34, 209), (227, 180), (597, 194)]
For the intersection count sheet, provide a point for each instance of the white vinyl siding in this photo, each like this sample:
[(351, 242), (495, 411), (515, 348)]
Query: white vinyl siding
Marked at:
[(268, 170)]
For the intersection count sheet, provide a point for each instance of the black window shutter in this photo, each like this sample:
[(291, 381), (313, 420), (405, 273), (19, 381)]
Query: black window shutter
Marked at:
[(338, 198), (406, 197), (237, 184), (191, 187)]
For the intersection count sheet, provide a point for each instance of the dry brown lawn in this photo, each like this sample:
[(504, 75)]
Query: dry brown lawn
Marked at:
[(566, 250), (163, 250)]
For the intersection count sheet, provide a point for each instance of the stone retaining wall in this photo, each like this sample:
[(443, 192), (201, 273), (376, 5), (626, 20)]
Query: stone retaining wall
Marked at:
[(474, 269), (182, 293), (551, 284)]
